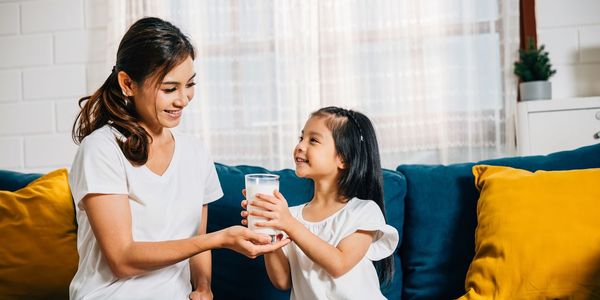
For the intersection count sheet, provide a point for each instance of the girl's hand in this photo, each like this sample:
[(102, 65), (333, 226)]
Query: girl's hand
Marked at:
[(246, 242), (201, 295), (244, 212), (275, 209)]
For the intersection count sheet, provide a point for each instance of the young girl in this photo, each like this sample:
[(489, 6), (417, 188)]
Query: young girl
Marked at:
[(338, 235), (140, 189)]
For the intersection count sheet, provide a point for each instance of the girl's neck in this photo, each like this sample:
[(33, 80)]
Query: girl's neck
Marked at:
[(327, 192)]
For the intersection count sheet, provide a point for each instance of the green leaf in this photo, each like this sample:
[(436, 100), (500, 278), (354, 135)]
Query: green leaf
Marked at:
[(534, 64)]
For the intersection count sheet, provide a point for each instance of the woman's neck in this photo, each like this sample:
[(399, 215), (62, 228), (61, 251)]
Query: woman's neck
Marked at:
[(159, 135)]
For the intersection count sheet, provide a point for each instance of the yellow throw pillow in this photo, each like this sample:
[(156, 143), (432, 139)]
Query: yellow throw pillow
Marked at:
[(538, 235), (38, 239)]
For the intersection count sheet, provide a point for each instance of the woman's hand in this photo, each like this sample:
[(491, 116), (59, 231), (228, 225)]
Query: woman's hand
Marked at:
[(201, 295), (274, 208), (246, 242)]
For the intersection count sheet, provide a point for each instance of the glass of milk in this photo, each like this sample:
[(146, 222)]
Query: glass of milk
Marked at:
[(264, 184)]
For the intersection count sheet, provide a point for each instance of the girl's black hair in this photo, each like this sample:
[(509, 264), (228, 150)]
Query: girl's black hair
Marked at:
[(150, 48), (356, 144)]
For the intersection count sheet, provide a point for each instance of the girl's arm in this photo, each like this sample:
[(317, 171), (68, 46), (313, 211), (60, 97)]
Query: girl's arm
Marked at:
[(110, 219), (278, 269), (337, 261), (276, 263), (201, 264)]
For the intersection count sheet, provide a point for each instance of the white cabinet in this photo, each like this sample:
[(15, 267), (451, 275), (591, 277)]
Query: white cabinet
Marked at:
[(546, 126)]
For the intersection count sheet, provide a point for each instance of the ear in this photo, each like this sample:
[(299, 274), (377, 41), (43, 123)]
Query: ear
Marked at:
[(126, 83), (339, 162)]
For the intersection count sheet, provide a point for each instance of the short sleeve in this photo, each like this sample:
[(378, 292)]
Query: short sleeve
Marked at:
[(370, 218), (97, 168), (212, 186)]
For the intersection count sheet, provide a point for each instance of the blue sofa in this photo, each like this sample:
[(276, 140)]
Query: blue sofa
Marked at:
[(432, 206)]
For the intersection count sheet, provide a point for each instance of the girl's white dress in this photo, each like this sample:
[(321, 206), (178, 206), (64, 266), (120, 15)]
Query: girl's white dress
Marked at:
[(310, 281)]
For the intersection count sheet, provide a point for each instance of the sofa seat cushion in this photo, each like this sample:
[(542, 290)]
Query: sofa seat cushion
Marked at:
[(38, 244), (237, 277), (440, 219), (537, 235)]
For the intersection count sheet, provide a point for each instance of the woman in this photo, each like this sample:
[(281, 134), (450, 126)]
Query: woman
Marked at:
[(141, 190)]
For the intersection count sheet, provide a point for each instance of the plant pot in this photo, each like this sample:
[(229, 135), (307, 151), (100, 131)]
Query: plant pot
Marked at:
[(535, 90)]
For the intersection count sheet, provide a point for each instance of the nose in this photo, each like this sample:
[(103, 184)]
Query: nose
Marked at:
[(299, 148), (182, 100)]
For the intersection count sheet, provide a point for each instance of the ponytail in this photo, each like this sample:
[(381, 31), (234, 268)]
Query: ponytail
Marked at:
[(108, 105)]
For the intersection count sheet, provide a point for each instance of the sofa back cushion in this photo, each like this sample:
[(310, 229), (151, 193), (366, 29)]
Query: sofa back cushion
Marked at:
[(440, 219), (237, 277), (12, 181)]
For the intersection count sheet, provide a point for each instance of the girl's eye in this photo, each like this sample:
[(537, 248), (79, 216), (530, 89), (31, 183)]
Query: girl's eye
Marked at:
[(300, 139), (313, 140), (191, 84), (170, 90)]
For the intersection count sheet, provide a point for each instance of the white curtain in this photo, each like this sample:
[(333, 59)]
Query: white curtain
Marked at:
[(434, 76)]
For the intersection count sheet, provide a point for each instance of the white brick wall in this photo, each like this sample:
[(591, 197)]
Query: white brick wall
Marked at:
[(9, 18), (51, 15), (571, 32), (52, 52)]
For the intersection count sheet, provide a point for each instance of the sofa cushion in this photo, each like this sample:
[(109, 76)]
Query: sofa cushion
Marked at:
[(440, 219), (537, 235), (12, 181), (38, 247), (237, 277)]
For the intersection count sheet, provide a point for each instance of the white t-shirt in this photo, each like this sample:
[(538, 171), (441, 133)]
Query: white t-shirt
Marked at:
[(311, 281), (163, 208)]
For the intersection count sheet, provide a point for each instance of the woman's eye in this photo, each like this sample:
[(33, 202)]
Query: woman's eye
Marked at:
[(191, 84), (314, 141), (300, 139), (169, 90)]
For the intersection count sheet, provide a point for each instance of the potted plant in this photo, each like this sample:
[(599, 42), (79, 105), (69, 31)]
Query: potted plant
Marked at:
[(534, 70)]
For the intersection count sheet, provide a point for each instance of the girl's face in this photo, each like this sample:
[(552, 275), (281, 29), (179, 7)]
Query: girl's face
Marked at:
[(315, 155), (162, 108)]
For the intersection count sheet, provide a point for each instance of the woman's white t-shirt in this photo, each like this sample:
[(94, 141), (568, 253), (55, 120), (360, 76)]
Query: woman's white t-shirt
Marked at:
[(163, 207), (311, 281)]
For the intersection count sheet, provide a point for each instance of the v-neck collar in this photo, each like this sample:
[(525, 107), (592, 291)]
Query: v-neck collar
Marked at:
[(171, 165)]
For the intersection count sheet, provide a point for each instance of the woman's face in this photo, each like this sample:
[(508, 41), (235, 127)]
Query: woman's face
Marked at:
[(162, 107)]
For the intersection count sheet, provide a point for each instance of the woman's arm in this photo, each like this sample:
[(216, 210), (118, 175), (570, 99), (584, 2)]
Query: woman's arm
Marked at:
[(337, 261), (200, 264), (110, 219)]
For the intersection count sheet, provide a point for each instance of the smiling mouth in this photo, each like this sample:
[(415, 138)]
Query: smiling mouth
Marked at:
[(173, 113), (301, 160)]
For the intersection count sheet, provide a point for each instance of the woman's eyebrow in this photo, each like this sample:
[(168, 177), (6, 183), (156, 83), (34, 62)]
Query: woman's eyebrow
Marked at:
[(177, 82)]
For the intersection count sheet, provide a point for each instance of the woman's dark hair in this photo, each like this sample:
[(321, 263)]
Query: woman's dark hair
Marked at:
[(149, 49), (356, 144)]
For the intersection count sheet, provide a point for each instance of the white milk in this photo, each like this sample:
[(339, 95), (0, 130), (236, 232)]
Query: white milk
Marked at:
[(255, 184)]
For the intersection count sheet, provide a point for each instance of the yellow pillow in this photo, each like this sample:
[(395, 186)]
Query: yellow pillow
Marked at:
[(538, 235), (38, 239)]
